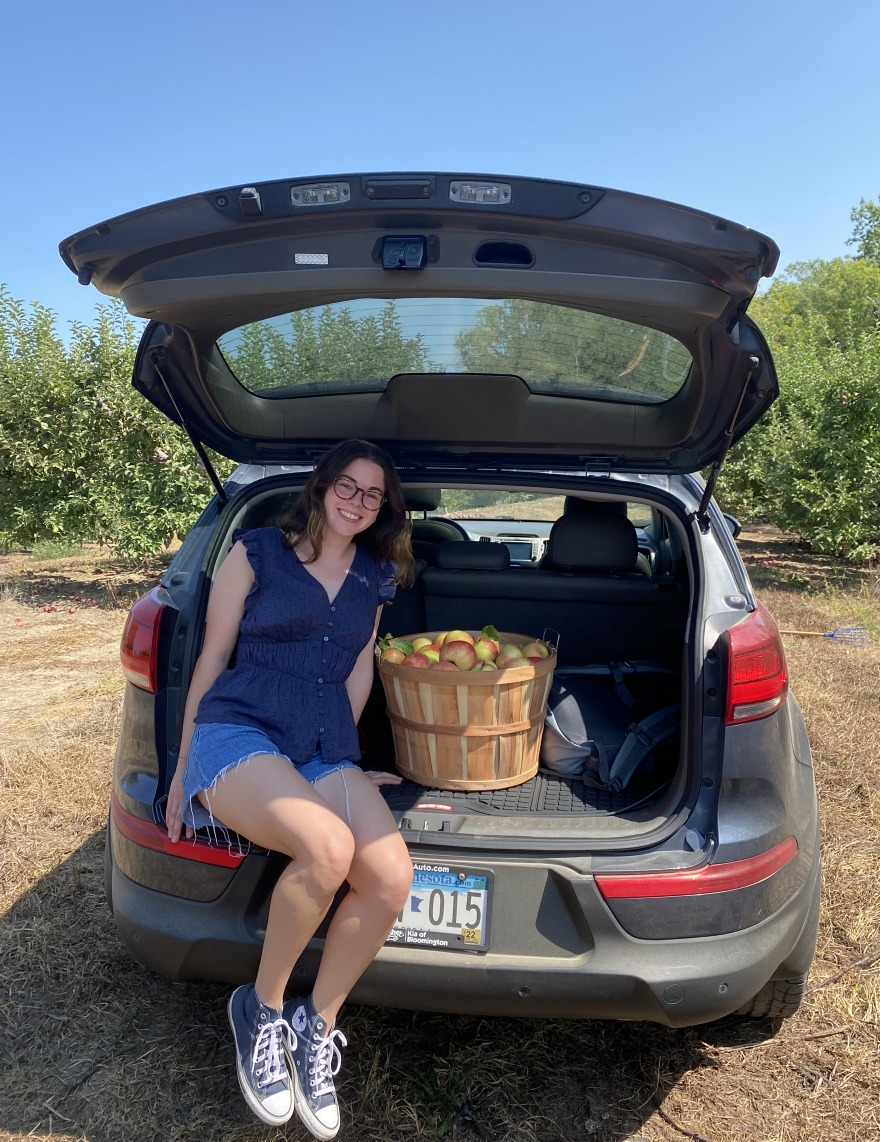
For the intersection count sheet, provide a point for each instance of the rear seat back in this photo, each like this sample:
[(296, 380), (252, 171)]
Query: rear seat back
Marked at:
[(602, 610)]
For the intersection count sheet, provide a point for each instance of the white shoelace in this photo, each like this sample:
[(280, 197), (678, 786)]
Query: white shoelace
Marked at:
[(269, 1062), (328, 1060)]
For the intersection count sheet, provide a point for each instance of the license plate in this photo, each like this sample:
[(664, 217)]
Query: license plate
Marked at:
[(447, 907)]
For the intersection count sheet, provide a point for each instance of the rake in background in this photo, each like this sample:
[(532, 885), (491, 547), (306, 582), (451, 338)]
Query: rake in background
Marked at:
[(849, 636)]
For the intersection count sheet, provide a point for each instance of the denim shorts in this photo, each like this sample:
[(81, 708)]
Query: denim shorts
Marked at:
[(217, 747)]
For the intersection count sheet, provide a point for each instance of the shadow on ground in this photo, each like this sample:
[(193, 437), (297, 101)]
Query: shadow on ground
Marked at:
[(95, 1047)]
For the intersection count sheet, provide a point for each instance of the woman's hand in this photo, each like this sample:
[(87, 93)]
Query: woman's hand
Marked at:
[(174, 807), (381, 777)]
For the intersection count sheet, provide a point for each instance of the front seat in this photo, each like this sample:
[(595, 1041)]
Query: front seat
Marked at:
[(428, 534)]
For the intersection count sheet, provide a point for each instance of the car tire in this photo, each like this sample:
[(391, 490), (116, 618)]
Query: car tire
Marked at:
[(778, 999)]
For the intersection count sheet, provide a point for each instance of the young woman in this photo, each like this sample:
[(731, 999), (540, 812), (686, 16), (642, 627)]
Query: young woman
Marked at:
[(269, 750)]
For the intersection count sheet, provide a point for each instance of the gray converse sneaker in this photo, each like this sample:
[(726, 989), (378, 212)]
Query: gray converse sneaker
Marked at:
[(314, 1059), (261, 1035)]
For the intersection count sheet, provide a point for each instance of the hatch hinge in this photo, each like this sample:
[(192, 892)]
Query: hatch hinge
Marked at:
[(193, 439), (702, 513)]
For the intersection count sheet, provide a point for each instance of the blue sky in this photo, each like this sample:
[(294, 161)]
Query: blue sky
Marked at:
[(765, 113)]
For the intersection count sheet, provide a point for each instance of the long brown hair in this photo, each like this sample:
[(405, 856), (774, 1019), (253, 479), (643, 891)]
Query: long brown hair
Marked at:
[(388, 537)]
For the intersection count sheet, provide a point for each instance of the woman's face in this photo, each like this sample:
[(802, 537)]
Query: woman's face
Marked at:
[(349, 517)]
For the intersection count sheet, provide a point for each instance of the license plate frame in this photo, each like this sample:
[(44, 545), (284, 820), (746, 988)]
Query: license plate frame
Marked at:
[(451, 895)]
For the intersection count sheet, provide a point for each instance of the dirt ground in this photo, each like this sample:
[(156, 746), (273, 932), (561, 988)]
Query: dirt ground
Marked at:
[(93, 1047)]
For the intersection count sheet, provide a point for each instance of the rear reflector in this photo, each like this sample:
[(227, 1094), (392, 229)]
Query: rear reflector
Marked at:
[(757, 678), (140, 640), (149, 835), (712, 878)]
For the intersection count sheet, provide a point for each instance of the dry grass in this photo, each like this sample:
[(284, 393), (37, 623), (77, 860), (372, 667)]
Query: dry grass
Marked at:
[(94, 1047)]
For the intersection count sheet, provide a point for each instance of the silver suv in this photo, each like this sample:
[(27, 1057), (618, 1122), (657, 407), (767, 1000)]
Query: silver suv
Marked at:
[(551, 366)]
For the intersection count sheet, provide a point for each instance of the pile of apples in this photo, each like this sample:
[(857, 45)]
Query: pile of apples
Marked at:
[(459, 650)]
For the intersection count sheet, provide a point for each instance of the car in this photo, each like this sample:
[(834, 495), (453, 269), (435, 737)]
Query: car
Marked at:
[(558, 371)]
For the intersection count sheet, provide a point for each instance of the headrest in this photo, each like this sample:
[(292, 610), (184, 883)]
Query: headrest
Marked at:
[(574, 505), (422, 499), (463, 555), (593, 543)]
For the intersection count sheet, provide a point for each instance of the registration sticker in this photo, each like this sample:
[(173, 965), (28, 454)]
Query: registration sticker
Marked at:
[(447, 907)]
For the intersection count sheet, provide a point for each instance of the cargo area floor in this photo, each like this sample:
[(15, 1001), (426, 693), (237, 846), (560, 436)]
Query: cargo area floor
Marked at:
[(546, 794)]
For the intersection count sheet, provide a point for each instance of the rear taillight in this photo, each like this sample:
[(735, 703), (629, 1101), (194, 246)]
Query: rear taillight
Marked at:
[(152, 836), (757, 678), (140, 641), (710, 878)]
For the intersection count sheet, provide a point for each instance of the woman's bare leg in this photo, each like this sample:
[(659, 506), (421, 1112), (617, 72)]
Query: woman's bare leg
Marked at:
[(379, 879), (268, 802)]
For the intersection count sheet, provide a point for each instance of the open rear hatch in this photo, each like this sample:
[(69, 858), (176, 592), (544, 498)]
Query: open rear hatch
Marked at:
[(515, 321)]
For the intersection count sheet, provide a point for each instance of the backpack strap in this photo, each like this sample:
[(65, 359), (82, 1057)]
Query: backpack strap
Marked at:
[(641, 738)]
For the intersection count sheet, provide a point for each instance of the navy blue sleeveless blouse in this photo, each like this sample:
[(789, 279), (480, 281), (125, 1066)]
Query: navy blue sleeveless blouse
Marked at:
[(296, 649)]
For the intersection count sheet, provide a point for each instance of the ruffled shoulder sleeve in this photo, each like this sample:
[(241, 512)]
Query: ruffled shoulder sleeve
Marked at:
[(254, 544), (388, 572)]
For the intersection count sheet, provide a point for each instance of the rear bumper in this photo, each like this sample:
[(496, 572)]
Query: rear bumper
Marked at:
[(608, 975)]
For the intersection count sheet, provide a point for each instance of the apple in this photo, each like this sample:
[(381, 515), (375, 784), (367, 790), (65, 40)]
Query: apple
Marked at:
[(460, 636), (510, 655), (392, 654), (417, 659), (440, 637), (431, 653), (533, 658), (487, 649), (421, 643), (536, 649), (487, 665), (444, 666), (459, 652)]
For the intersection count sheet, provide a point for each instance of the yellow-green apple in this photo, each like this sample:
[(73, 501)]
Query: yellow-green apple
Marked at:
[(460, 636), (421, 642), (510, 655), (534, 650), (487, 649), (392, 654)]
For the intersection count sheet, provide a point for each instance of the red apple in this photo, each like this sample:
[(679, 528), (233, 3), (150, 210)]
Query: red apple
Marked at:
[(443, 666), (461, 653), (533, 658), (417, 659)]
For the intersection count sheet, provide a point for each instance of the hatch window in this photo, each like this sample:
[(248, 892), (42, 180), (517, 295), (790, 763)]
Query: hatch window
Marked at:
[(358, 345)]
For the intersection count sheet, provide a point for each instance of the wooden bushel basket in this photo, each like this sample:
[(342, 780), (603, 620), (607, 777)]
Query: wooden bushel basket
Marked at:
[(471, 729)]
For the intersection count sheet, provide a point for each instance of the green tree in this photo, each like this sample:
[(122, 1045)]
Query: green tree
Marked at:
[(82, 455), (314, 346), (561, 347), (830, 302), (866, 230)]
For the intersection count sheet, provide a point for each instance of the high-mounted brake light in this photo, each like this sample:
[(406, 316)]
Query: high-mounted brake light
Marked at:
[(757, 677), (140, 640)]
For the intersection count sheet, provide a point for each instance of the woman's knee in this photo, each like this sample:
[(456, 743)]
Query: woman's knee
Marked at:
[(324, 854), (386, 875)]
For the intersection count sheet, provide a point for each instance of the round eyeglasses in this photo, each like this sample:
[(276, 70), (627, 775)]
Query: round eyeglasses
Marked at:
[(347, 489)]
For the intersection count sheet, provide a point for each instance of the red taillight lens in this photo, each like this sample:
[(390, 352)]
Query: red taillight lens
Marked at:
[(757, 678), (711, 878), (155, 837), (140, 640)]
